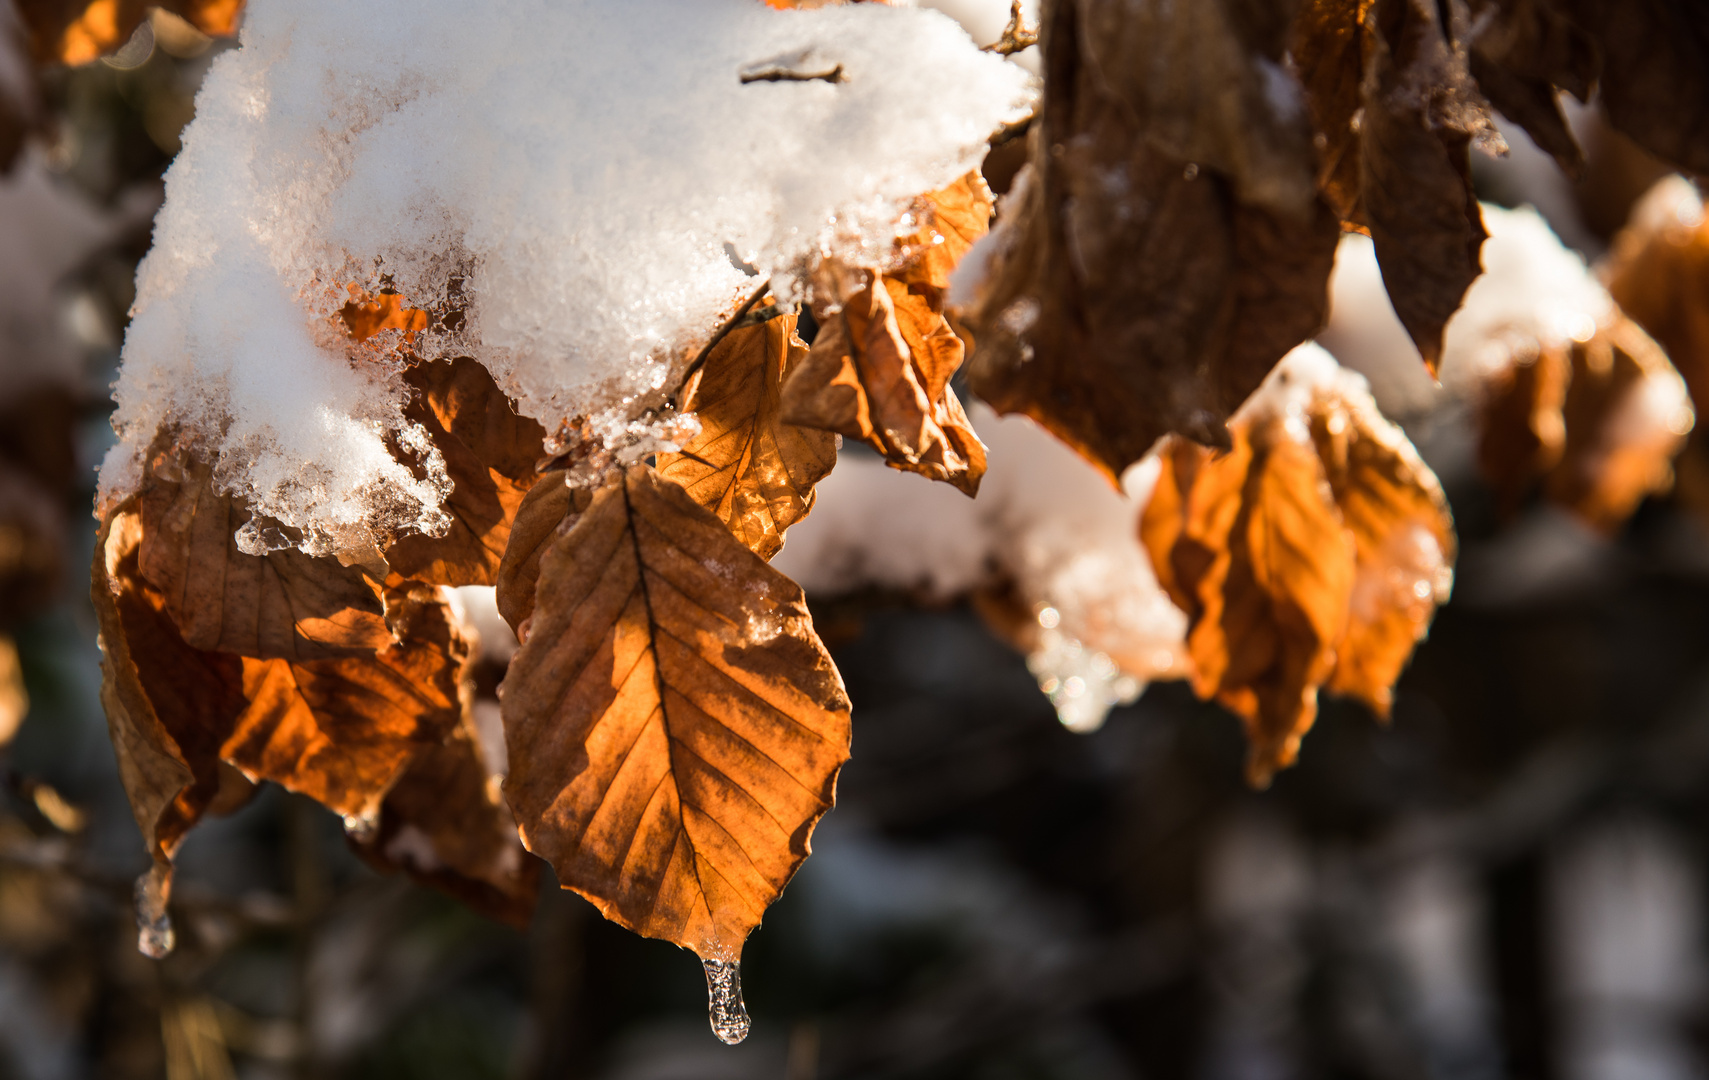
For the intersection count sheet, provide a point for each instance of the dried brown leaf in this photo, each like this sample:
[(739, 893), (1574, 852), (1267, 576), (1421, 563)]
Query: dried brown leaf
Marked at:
[(283, 604), (445, 824), (948, 222), (490, 454), (879, 372), (1521, 433), (675, 726), (752, 470), (550, 506), (341, 730), (169, 706), (1523, 51), (1312, 553)]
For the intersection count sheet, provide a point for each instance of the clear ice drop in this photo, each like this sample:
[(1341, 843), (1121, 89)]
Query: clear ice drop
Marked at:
[(154, 936), (724, 1000)]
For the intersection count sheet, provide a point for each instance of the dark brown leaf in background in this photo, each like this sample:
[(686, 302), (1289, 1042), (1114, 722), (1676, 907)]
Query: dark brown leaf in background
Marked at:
[(752, 470), (340, 730), (1523, 51), (675, 726), (1329, 52), (1422, 112), (283, 604), (1654, 78), (1117, 313), (445, 824), (879, 372), (1521, 434), (490, 455)]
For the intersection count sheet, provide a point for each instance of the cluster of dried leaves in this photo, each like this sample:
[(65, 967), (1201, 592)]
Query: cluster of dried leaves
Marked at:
[(674, 725)]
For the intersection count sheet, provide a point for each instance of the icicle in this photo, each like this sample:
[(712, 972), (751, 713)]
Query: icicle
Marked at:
[(724, 1000), (363, 827), (154, 936)]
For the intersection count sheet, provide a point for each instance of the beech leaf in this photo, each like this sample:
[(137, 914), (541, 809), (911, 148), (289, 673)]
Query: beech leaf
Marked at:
[(1313, 552), (752, 470), (550, 506), (282, 604), (78, 31), (675, 726), (879, 372), (445, 824), (340, 730), (490, 454)]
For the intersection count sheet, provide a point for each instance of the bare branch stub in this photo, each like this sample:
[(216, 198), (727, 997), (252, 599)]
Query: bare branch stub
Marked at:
[(1016, 36)]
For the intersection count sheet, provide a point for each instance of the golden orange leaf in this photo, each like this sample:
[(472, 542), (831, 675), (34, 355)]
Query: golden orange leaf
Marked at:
[(1312, 553), (282, 604), (675, 726), (879, 372), (341, 730), (490, 454), (550, 506), (947, 223), (752, 470)]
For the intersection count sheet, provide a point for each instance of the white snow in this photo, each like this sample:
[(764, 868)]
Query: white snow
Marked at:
[(1045, 522), (586, 172)]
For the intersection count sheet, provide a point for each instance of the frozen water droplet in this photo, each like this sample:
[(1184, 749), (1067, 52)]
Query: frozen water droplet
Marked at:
[(154, 936), (724, 1000), (363, 827)]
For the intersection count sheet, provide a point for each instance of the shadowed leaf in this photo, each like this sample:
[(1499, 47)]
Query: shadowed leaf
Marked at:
[(282, 604), (675, 726), (549, 506), (752, 470), (490, 454), (340, 730)]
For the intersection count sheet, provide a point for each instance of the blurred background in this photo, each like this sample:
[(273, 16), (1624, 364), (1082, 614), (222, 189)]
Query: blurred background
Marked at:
[(1507, 880)]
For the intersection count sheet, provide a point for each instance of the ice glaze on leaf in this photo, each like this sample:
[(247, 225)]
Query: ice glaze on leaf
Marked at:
[(1312, 553), (879, 372), (752, 470), (340, 730), (675, 726), (490, 454), (282, 604)]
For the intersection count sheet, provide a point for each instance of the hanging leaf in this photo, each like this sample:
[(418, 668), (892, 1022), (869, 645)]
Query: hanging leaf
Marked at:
[(445, 824), (879, 372), (169, 706), (490, 454), (1312, 553), (281, 604), (1116, 312), (752, 470), (549, 507), (675, 726), (1522, 52), (947, 223), (340, 730)]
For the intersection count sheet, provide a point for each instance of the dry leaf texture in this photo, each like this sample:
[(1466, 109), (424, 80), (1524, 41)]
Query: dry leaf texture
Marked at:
[(1311, 553), (490, 455), (1135, 291), (752, 470), (675, 726)]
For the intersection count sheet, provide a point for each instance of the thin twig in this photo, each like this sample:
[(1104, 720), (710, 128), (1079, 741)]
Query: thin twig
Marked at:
[(1016, 36), (834, 75)]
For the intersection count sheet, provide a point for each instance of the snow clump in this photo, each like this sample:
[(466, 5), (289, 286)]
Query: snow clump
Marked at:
[(588, 187)]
